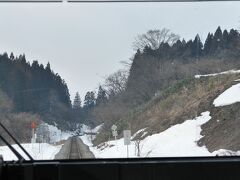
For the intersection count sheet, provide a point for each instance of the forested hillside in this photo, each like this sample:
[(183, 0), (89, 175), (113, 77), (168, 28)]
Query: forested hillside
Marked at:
[(157, 68), (35, 89)]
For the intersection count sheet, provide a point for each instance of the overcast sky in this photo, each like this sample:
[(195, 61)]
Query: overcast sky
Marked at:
[(86, 42)]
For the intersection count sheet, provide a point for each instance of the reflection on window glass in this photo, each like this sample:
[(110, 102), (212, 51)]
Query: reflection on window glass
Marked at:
[(120, 80)]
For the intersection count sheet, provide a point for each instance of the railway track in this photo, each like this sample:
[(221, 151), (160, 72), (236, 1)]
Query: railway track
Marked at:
[(74, 152), (74, 148)]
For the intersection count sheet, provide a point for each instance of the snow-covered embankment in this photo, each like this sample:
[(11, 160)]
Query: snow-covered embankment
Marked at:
[(39, 150), (178, 140)]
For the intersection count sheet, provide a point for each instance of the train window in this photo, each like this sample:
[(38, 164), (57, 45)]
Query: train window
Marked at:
[(119, 79)]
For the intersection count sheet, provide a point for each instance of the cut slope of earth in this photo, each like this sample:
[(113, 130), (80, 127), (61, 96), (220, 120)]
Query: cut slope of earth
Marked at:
[(222, 131)]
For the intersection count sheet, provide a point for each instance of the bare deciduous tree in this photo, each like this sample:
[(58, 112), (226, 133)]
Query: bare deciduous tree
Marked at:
[(153, 39), (116, 82)]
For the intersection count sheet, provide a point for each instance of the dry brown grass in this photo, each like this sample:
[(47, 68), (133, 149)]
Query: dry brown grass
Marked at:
[(186, 102)]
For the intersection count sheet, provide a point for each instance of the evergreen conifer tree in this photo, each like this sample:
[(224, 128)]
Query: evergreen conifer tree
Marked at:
[(12, 56), (217, 40), (101, 96), (197, 47), (89, 100), (77, 103), (208, 44)]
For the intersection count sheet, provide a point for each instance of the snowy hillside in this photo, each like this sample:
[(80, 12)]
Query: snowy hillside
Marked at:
[(179, 140), (182, 139)]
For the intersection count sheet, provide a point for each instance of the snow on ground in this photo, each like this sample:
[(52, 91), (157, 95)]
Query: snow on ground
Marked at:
[(178, 140), (230, 96), (56, 134), (87, 129), (138, 132), (224, 152), (97, 128), (39, 150), (36, 150), (86, 138), (221, 73)]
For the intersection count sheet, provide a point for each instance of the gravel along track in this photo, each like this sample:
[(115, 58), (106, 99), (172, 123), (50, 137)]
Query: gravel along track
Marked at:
[(74, 152), (74, 148)]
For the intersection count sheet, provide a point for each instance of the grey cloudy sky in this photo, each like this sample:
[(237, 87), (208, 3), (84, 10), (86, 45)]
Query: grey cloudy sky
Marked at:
[(85, 42)]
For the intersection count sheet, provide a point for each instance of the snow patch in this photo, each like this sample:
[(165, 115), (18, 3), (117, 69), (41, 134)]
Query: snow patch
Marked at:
[(138, 132), (97, 128), (221, 73), (178, 140), (87, 129), (87, 138), (225, 152), (39, 150), (144, 134), (36, 150), (228, 97), (57, 135)]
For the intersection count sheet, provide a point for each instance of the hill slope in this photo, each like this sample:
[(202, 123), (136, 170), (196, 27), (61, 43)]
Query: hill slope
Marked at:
[(185, 100), (35, 89), (18, 123)]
